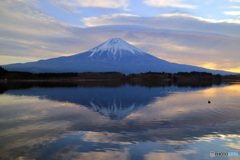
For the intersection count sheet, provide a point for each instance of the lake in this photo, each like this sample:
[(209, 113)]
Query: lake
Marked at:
[(121, 122)]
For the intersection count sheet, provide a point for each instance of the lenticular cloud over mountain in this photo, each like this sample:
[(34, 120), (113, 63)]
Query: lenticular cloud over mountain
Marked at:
[(114, 55)]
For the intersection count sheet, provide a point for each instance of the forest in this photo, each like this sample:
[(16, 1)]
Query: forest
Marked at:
[(147, 79)]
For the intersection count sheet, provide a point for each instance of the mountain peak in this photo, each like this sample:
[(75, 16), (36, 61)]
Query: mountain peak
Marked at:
[(115, 40), (116, 46)]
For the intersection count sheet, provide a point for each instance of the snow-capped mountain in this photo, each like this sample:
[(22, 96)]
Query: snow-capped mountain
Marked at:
[(112, 55), (115, 49)]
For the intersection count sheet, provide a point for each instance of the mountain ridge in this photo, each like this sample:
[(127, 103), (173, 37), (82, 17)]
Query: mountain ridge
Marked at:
[(114, 55)]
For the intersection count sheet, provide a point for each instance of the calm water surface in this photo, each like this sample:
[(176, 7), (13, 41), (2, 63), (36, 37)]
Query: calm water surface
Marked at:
[(128, 122)]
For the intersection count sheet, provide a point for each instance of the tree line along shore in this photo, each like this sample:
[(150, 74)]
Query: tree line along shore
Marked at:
[(148, 78)]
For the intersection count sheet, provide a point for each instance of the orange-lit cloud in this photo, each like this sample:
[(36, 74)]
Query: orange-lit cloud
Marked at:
[(209, 65), (236, 70)]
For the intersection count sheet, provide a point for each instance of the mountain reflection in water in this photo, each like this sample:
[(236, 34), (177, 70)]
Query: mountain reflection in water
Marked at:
[(127, 122), (113, 103)]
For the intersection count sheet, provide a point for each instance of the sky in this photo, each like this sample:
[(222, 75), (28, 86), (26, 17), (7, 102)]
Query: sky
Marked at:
[(204, 33)]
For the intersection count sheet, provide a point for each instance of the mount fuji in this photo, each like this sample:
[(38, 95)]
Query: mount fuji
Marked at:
[(114, 55)]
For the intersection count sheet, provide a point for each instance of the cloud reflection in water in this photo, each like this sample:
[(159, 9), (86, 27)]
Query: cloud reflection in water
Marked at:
[(83, 123)]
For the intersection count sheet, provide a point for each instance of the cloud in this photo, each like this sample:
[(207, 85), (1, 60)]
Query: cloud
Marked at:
[(168, 3), (163, 155), (108, 154), (234, 0), (207, 20), (27, 31), (235, 7), (209, 65), (22, 17), (232, 13), (72, 5), (115, 19), (170, 21)]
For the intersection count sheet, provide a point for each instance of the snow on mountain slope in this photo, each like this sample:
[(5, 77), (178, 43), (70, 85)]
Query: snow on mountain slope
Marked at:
[(114, 49), (114, 46)]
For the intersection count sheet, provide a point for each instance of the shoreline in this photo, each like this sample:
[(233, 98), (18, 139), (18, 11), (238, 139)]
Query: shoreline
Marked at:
[(148, 78)]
